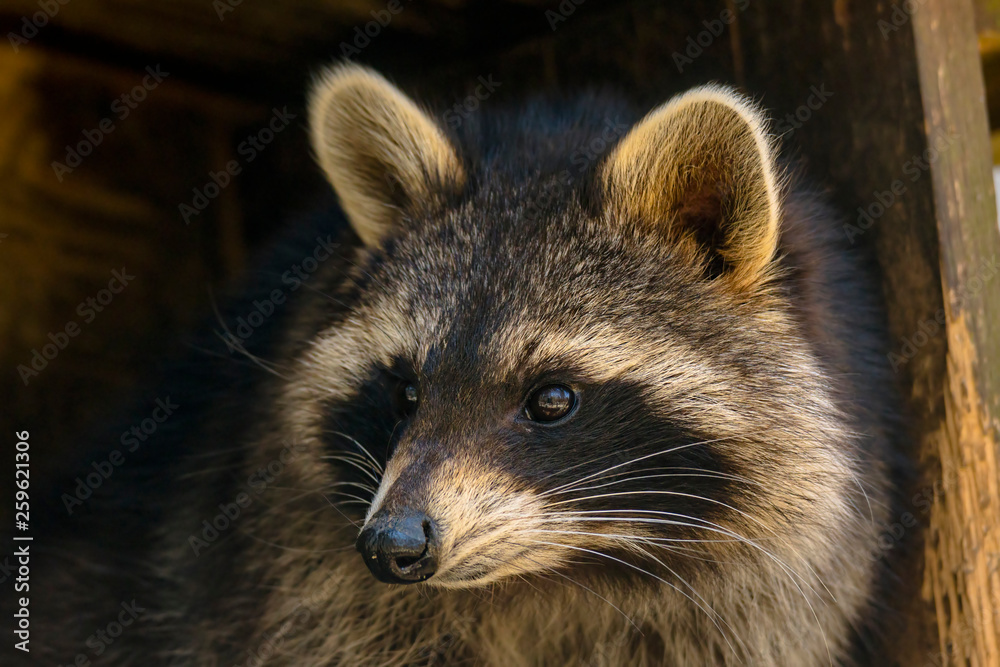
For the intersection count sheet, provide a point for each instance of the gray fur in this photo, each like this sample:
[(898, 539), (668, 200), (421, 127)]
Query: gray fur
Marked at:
[(483, 278)]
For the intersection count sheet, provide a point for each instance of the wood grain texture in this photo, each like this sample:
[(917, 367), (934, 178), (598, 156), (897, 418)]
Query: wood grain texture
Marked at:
[(117, 210), (963, 550)]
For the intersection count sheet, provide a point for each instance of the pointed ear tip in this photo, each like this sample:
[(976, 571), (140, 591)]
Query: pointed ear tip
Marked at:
[(334, 87), (344, 71), (731, 99), (339, 77), (729, 105), (751, 113), (716, 119)]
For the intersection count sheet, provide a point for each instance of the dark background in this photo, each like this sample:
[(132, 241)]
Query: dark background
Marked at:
[(231, 64)]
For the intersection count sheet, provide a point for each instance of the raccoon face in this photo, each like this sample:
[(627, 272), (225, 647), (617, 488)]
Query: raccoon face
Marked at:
[(615, 385)]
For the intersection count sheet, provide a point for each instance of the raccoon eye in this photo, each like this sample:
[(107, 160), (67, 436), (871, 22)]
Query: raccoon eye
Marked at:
[(407, 397), (550, 403)]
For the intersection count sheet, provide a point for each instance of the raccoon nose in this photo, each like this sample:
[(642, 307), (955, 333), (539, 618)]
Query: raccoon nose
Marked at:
[(399, 548)]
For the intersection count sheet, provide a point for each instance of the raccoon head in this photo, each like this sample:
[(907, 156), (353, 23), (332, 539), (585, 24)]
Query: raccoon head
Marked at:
[(535, 376)]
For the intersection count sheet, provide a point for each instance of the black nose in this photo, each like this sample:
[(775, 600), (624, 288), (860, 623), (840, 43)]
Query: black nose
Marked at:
[(399, 548)]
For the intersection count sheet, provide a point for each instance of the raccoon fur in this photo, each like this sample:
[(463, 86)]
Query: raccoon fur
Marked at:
[(524, 406)]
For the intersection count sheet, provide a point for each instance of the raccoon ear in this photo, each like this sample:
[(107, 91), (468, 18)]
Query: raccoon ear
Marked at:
[(702, 167), (378, 149)]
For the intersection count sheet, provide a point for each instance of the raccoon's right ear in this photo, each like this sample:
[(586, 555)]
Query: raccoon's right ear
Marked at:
[(381, 152), (701, 169)]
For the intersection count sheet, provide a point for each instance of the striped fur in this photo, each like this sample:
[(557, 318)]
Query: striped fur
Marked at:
[(713, 499)]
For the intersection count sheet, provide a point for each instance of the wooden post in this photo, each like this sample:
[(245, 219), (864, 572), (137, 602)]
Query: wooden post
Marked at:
[(962, 569)]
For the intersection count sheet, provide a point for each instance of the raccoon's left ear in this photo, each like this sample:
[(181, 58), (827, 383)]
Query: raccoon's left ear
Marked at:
[(379, 150), (701, 168)]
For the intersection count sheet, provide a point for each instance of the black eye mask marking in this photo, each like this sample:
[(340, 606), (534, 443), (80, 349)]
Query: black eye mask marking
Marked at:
[(368, 425), (621, 454)]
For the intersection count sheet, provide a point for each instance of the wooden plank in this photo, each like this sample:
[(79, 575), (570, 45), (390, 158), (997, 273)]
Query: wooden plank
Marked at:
[(65, 233), (963, 549), (254, 49)]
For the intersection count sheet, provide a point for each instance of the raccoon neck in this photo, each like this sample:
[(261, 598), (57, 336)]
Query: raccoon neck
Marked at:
[(336, 614)]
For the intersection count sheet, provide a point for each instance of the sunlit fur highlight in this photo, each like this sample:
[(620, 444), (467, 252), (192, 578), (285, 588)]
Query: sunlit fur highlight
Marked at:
[(714, 499), (708, 138), (377, 148), (791, 589)]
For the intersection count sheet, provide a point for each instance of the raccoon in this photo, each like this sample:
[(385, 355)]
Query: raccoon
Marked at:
[(529, 409)]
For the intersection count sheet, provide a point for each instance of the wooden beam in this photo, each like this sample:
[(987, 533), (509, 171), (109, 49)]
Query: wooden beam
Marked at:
[(962, 570)]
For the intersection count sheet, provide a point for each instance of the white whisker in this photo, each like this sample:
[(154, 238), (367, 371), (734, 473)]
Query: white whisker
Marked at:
[(643, 458), (625, 480), (378, 466), (237, 343), (658, 578), (666, 493)]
